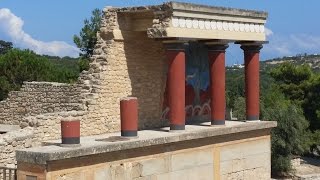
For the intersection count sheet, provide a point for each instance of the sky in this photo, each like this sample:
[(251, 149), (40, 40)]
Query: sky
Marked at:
[(48, 26)]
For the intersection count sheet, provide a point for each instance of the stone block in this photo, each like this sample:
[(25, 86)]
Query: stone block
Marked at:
[(244, 149), (227, 167), (234, 176), (154, 166), (204, 172), (256, 161), (136, 170), (102, 173), (117, 172), (257, 147), (152, 177), (231, 152), (191, 159), (257, 173)]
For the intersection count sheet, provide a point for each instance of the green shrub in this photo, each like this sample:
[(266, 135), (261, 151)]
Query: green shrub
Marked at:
[(291, 136)]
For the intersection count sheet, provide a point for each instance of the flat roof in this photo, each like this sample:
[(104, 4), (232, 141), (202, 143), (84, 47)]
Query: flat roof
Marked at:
[(217, 10)]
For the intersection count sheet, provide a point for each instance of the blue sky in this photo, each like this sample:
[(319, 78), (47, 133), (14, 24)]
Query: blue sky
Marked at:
[(47, 26)]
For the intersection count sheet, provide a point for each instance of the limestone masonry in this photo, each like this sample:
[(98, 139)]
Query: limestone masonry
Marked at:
[(139, 52)]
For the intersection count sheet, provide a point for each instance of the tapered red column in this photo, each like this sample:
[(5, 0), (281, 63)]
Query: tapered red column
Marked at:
[(217, 83), (251, 59), (176, 85), (129, 116)]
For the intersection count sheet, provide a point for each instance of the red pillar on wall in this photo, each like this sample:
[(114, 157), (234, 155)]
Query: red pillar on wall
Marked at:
[(176, 85), (251, 59), (129, 116), (216, 55)]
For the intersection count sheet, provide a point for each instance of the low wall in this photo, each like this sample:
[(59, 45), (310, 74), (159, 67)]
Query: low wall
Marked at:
[(12, 141), (37, 98), (42, 127), (235, 151)]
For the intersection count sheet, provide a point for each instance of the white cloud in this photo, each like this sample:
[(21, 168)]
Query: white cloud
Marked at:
[(290, 44), (12, 26), (268, 32)]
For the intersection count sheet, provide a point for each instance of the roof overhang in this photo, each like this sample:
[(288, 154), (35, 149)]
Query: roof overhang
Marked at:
[(210, 22)]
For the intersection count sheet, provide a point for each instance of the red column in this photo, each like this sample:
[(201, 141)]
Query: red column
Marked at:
[(176, 85), (251, 59), (129, 116), (216, 55), (70, 132)]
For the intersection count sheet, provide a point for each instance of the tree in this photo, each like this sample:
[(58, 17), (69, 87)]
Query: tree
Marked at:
[(88, 34), (311, 102), (5, 46), (291, 136), (17, 66), (292, 80), (240, 108), (301, 85)]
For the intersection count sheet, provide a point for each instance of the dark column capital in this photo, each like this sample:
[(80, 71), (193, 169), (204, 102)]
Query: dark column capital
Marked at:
[(175, 46), (251, 47), (217, 47)]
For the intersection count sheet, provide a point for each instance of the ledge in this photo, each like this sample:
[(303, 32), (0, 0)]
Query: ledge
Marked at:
[(217, 10), (89, 145)]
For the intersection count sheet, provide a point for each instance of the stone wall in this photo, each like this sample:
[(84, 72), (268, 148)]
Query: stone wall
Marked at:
[(133, 65), (42, 127), (128, 65), (12, 141), (37, 98), (245, 158)]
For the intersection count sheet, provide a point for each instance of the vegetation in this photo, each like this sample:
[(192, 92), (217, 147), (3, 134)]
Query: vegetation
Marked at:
[(88, 38), (290, 95), (5, 46), (17, 66)]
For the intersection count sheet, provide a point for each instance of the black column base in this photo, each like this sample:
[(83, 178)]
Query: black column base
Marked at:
[(70, 140), (177, 127), (218, 122), (253, 118), (129, 133)]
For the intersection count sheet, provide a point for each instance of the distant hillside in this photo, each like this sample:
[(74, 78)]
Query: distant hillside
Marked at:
[(312, 60), (65, 62)]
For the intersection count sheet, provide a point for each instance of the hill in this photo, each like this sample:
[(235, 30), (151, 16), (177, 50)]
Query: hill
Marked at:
[(312, 60)]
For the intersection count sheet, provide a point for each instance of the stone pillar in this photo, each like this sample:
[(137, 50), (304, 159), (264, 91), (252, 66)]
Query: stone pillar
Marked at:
[(251, 59), (176, 84), (70, 132), (217, 74), (129, 116)]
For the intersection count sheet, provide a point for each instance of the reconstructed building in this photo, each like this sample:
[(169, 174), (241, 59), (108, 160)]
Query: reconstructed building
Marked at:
[(172, 58)]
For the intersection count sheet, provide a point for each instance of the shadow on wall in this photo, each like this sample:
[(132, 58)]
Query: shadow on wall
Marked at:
[(146, 63), (146, 67)]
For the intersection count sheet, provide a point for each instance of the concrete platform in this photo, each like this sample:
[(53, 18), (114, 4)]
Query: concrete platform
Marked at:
[(112, 142)]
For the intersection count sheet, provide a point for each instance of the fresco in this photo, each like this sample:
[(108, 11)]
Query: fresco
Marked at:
[(197, 84)]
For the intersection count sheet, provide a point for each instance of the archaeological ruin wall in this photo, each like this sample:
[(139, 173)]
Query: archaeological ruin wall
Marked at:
[(36, 98), (126, 62)]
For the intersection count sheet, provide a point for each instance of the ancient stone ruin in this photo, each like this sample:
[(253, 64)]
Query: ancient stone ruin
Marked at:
[(171, 57)]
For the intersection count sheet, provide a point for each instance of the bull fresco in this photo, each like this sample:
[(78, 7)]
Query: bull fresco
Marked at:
[(197, 97)]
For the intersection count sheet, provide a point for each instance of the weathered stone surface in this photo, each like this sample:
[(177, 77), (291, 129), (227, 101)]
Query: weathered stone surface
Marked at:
[(11, 141), (203, 172), (102, 173), (154, 166), (6, 128), (157, 162), (41, 155), (191, 159)]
